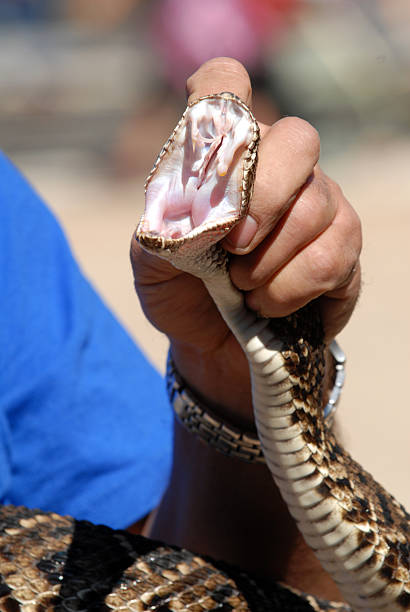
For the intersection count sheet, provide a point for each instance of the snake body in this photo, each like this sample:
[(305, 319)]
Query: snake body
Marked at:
[(50, 562), (359, 532)]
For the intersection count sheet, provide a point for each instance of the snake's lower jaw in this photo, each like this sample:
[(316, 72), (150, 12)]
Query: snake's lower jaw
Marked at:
[(199, 181), (153, 242)]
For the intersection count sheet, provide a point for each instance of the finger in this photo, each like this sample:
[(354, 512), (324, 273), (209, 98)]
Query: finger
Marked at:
[(148, 268), (311, 213), (323, 267), (337, 306), (218, 75), (288, 154)]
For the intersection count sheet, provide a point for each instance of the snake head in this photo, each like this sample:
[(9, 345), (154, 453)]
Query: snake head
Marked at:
[(202, 180)]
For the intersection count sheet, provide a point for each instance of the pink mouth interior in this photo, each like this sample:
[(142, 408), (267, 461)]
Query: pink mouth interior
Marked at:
[(198, 180)]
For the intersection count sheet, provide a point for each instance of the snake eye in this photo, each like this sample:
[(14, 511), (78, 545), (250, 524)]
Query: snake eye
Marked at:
[(197, 180)]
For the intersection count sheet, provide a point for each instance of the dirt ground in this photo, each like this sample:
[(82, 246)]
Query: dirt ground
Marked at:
[(99, 214)]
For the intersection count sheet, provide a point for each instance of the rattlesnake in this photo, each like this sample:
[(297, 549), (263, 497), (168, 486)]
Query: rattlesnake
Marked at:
[(48, 561), (358, 531)]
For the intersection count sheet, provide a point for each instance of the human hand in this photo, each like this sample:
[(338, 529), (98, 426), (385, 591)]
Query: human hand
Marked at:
[(301, 240)]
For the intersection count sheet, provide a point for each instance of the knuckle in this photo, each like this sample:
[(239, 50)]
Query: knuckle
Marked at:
[(327, 266), (273, 300), (308, 218), (305, 136), (316, 208), (281, 297), (355, 230), (350, 226)]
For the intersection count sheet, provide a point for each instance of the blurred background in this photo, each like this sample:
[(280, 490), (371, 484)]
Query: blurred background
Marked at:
[(90, 90)]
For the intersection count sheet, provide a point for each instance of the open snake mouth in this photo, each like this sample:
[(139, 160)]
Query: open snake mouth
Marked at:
[(197, 182)]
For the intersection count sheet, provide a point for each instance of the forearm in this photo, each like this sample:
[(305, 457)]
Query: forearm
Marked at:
[(221, 382)]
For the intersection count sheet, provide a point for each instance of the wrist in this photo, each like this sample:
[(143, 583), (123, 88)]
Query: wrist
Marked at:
[(213, 424), (218, 380), (201, 422)]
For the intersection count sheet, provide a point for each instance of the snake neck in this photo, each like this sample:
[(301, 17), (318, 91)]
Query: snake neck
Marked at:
[(344, 515)]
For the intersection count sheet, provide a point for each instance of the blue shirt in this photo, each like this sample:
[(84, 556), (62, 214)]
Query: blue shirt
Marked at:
[(85, 427)]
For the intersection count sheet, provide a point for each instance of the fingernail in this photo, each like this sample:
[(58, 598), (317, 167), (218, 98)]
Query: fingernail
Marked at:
[(243, 234)]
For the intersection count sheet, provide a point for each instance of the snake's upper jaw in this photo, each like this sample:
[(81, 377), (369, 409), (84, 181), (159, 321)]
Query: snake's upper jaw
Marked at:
[(201, 181)]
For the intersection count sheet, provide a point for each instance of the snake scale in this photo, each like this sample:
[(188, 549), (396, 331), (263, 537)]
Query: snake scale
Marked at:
[(200, 186)]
